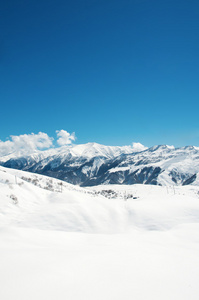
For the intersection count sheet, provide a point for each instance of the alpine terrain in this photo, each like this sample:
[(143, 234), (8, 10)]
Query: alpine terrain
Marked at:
[(93, 164)]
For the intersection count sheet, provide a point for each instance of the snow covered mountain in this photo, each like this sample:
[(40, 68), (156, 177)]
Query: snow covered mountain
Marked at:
[(93, 164)]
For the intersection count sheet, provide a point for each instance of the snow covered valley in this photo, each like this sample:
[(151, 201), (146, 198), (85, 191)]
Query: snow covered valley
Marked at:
[(115, 242)]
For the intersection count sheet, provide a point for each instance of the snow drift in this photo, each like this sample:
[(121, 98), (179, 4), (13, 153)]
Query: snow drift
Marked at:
[(60, 241)]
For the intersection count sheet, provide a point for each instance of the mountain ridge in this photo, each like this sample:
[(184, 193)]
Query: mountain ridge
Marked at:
[(93, 164)]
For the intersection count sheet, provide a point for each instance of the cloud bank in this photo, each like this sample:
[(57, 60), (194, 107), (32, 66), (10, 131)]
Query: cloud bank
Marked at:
[(28, 143), (25, 143)]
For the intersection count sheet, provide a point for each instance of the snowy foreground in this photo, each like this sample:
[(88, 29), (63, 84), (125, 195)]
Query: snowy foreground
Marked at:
[(59, 241)]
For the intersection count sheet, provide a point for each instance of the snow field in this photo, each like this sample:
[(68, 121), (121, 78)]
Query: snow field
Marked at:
[(78, 244)]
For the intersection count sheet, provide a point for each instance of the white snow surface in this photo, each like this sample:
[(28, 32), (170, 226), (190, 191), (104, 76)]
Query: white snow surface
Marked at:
[(60, 241)]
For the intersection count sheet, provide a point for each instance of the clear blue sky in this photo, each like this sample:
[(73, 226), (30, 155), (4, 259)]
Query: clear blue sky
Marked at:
[(113, 71)]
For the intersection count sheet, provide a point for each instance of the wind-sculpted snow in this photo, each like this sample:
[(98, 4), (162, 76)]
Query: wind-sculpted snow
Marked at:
[(60, 241), (36, 201)]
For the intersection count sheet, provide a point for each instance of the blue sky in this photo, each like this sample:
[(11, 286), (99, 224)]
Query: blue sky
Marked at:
[(113, 72)]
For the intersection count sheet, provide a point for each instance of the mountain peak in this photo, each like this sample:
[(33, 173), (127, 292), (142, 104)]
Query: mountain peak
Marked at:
[(93, 164)]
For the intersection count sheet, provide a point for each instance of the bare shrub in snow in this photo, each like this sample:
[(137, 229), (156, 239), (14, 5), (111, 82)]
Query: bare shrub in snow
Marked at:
[(61, 186), (14, 198)]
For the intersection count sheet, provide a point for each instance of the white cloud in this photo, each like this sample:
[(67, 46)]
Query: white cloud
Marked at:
[(137, 147), (64, 137), (26, 143)]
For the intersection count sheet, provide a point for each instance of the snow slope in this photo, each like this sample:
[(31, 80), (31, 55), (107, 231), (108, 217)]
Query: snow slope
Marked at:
[(60, 241)]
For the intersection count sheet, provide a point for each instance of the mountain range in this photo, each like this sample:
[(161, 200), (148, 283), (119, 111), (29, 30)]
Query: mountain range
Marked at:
[(94, 164)]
